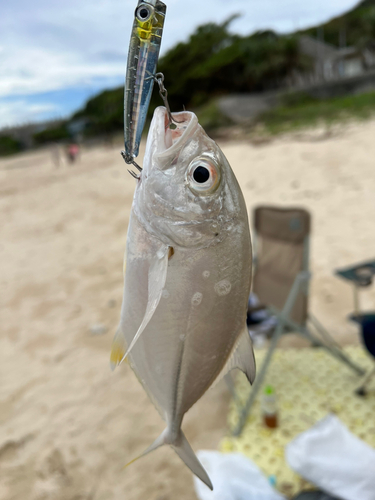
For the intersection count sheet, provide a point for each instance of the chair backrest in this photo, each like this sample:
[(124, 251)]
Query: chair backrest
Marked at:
[(281, 250), (368, 332)]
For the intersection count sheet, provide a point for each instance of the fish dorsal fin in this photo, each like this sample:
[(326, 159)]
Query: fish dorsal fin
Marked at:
[(157, 276), (242, 357)]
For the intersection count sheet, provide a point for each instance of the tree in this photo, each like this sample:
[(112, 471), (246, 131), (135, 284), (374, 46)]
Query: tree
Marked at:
[(9, 145)]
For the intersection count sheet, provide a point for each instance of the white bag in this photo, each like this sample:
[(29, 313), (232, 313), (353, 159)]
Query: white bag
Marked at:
[(332, 458), (234, 477)]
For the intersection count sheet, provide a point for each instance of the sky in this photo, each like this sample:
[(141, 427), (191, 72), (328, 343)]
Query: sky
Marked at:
[(55, 54)]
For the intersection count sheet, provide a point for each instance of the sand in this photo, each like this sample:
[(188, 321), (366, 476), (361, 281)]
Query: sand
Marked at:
[(68, 424)]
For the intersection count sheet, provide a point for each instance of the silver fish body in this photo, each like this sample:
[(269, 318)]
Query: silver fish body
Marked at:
[(188, 274), (143, 56)]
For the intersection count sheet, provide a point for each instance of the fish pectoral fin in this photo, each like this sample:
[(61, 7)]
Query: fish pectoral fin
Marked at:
[(242, 357), (185, 452), (157, 276), (118, 349)]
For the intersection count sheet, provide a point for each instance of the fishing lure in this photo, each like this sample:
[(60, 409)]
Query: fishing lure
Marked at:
[(143, 57)]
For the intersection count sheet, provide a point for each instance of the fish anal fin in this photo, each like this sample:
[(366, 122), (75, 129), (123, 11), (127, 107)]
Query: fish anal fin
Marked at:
[(242, 357)]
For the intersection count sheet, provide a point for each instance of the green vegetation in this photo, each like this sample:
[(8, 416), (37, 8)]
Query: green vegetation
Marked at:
[(104, 113), (211, 63), (9, 145), (54, 134), (214, 62), (211, 118), (357, 25), (299, 110)]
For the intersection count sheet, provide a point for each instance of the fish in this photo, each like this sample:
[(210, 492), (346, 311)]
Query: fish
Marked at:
[(188, 275), (144, 48)]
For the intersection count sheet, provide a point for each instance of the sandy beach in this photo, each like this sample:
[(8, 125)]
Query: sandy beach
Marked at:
[(68, 425)]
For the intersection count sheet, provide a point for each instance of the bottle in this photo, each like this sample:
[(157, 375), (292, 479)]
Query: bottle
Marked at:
[(272, 480), (269, 408)]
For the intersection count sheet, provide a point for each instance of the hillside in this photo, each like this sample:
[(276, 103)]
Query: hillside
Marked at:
[(354, 28)]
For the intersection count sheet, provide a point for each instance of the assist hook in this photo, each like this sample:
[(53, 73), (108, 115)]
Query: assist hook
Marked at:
[(163, 92)]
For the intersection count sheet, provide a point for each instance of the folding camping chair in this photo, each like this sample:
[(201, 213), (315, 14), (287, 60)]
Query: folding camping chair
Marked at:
[(281, 282), (362, 276), (368, 336)]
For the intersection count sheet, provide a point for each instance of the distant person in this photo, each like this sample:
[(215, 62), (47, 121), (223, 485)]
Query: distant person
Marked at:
[(108, 141), (73, 152), (55, 154)]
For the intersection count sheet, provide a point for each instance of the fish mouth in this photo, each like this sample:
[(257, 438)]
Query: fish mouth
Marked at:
[(168, 141)]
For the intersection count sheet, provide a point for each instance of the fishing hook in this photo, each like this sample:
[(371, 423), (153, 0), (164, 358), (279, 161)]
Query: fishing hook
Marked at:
[(163, 92), (129, 160)]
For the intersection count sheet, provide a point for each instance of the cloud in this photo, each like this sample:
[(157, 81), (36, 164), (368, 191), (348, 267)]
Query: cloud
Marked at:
[(37, 70), (22, 111), (49, 45)]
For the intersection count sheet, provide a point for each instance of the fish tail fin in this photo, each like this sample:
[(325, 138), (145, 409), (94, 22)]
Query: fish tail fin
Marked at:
[(183, 449), (159, 441)]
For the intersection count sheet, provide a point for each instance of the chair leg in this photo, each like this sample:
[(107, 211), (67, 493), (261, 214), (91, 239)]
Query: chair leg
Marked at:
[(231, 387), (361, 391), (323, 332), (332, 349), (300, 279), (258, 381)]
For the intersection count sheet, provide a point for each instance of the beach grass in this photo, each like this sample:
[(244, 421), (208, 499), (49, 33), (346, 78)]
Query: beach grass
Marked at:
[(296, 111), (211, 118), (299, 110)]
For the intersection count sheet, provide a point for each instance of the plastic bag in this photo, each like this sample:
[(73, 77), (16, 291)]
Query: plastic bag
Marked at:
[(331, 457), (234, 477)]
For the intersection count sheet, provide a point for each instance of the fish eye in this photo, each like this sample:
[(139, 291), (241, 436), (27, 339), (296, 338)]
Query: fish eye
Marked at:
[(143, 13), (203, 176)]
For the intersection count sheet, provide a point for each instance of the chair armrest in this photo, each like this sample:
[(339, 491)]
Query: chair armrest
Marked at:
[(303, 276), (257, 308)]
